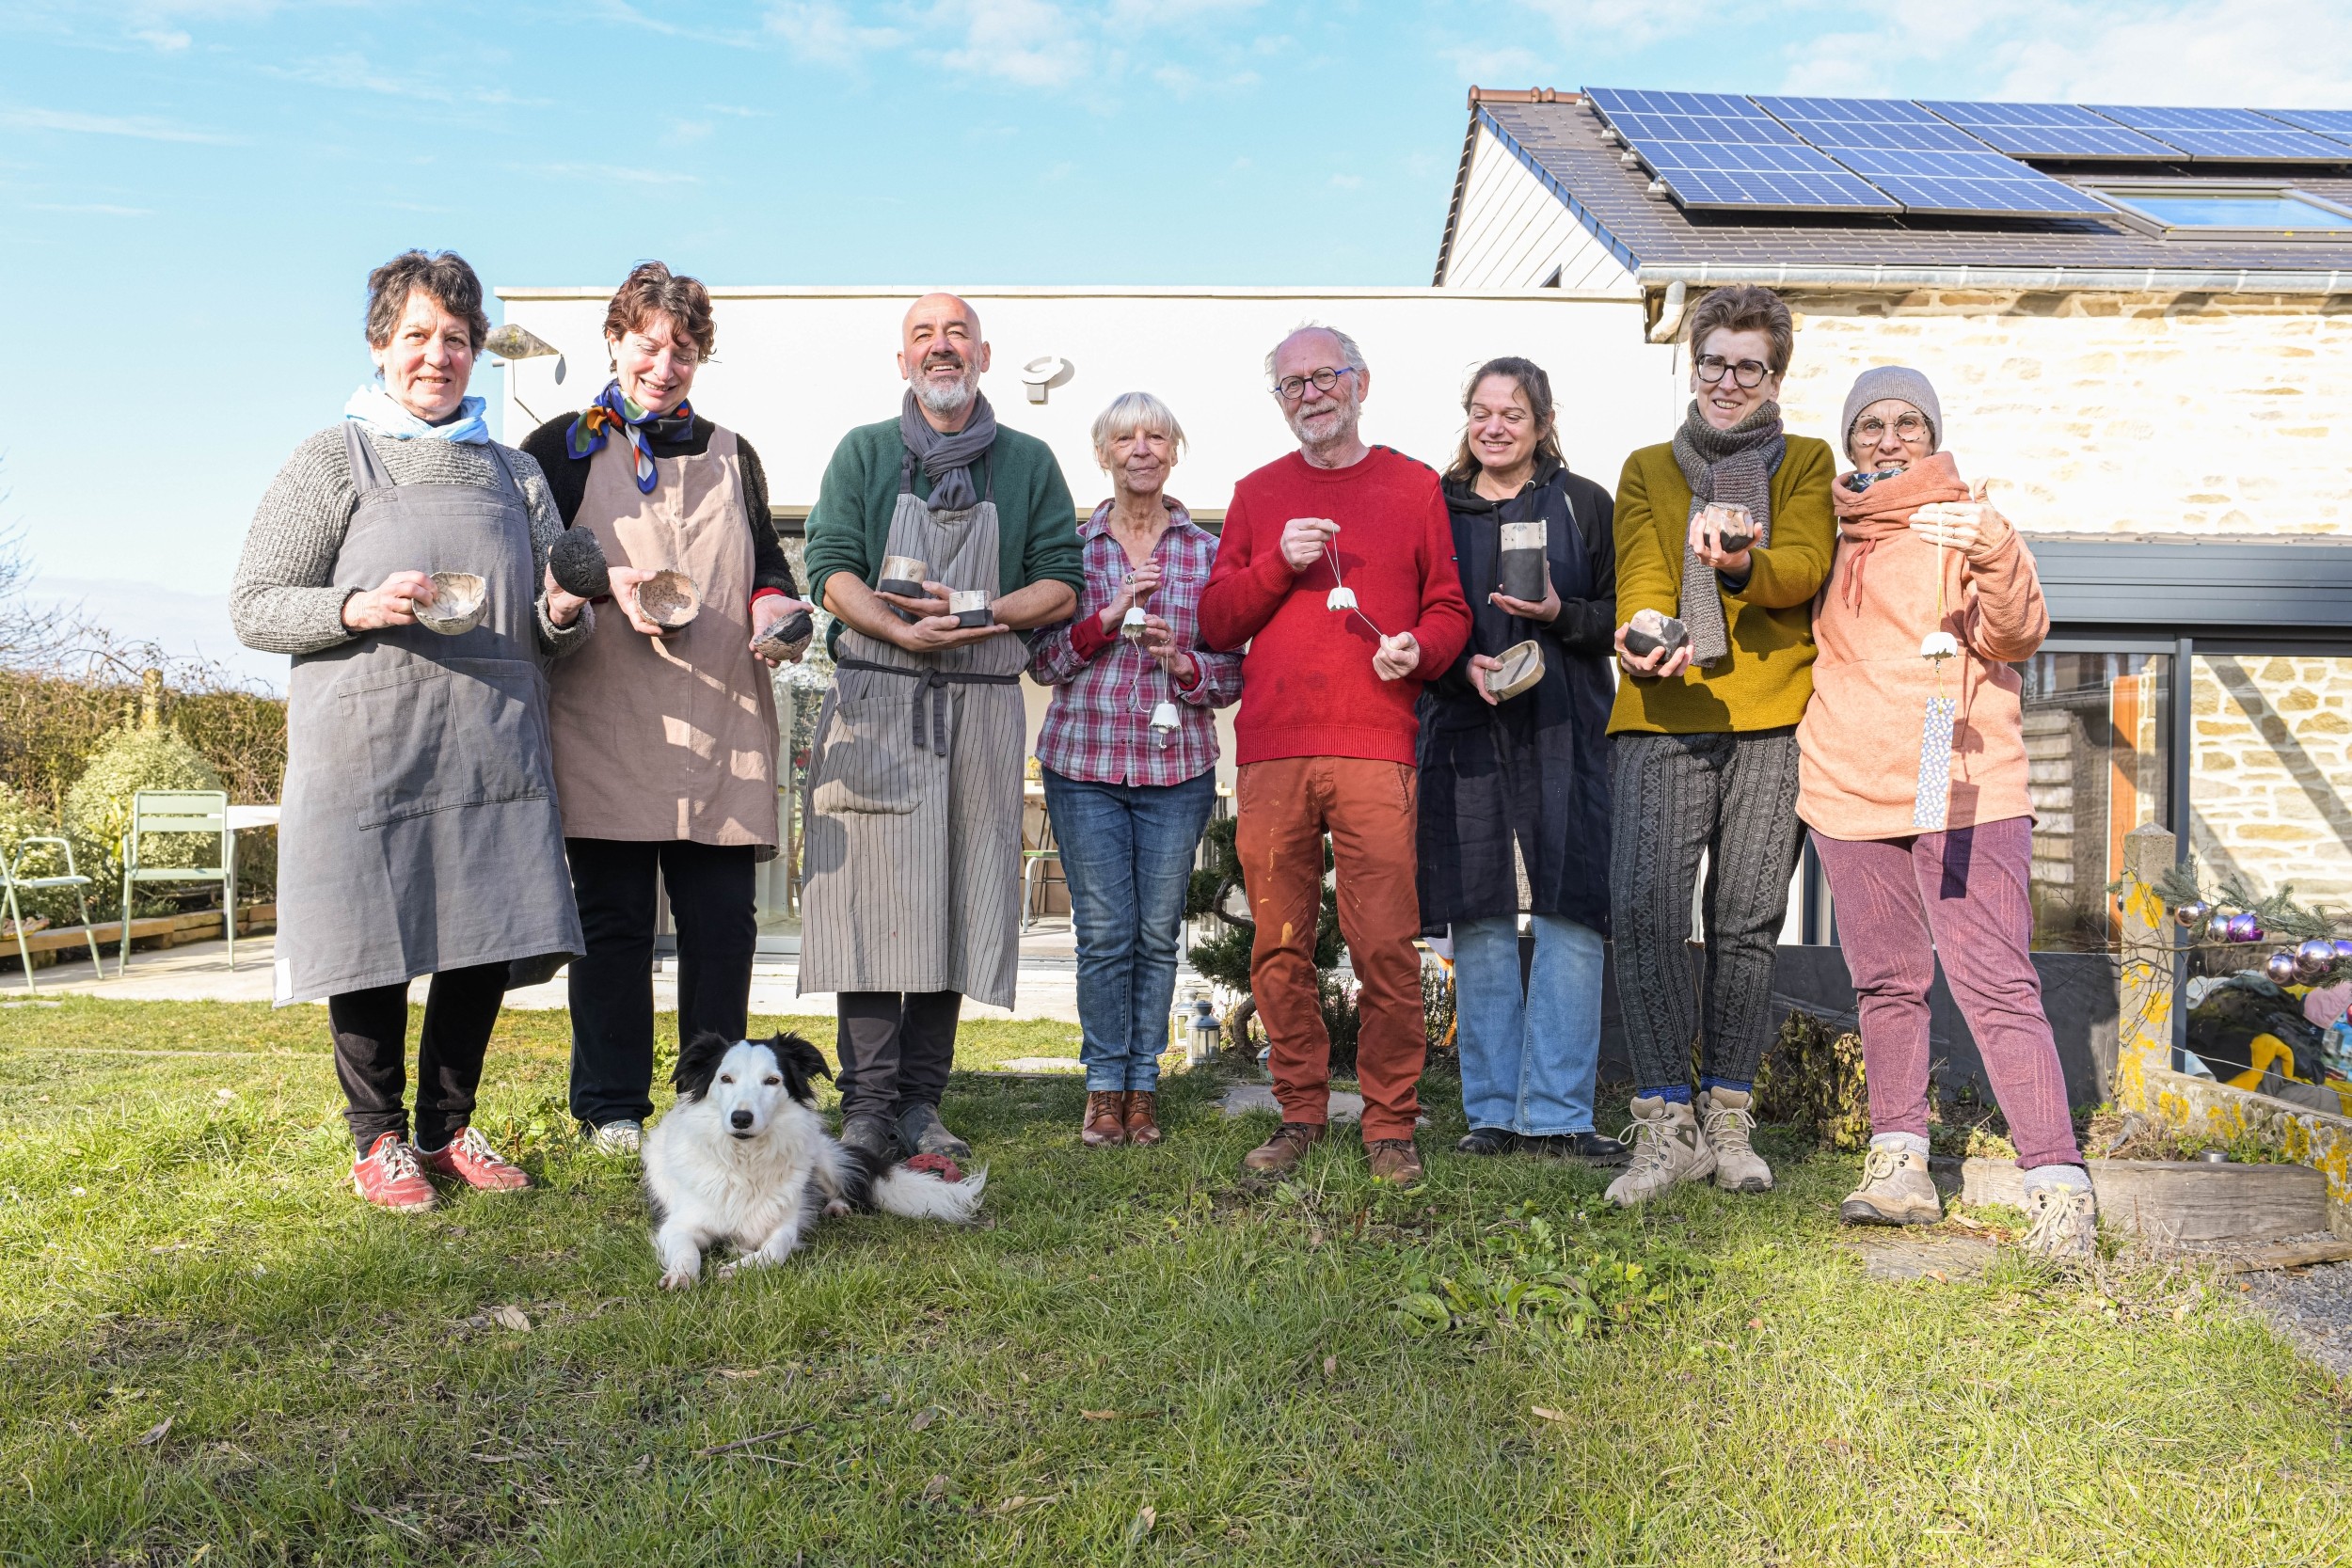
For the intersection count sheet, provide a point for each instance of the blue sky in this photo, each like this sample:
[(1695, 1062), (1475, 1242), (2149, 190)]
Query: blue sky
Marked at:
[(192, 191)]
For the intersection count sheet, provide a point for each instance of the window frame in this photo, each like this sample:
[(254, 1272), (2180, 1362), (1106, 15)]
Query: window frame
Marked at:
[(2118, 194)]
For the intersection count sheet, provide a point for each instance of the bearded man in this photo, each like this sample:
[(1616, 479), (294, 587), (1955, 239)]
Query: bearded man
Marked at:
[(938, 542)]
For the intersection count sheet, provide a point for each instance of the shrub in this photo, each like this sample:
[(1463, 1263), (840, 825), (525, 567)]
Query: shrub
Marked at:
[(1811, 1078), (97, 808)]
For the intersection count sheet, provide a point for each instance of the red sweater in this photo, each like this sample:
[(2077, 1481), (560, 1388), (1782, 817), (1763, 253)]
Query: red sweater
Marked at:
[(1307, 683)]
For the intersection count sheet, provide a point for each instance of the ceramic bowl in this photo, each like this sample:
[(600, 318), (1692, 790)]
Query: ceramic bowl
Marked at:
[(669, 599), (458, 600)]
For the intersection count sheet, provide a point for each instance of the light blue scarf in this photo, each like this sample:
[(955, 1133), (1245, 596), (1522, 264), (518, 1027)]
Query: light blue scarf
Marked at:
[(376, 408)]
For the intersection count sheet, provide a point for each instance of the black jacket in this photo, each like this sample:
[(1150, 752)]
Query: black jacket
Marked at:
[(1535, 769)]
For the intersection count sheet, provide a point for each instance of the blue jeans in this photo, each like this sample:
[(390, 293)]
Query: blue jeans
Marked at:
[(1127, 852), (1528, 1064)]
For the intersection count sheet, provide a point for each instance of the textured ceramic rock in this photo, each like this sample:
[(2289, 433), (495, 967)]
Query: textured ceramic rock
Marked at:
[(1649, 631), (577, 563)]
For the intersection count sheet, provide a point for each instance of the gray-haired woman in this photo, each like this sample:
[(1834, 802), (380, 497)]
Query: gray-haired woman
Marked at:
[(419, 834), (1129, 757)]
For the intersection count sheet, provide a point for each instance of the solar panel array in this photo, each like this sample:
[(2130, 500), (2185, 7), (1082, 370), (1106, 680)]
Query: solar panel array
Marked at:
[(1718, 150)]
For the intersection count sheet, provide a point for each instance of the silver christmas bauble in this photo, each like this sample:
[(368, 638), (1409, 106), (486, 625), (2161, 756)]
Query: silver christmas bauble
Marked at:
[(2316, 957), (2192, 914), (2279, 969)]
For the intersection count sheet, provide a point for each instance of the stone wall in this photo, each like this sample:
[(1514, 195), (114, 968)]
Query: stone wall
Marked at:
[(2152, 414)]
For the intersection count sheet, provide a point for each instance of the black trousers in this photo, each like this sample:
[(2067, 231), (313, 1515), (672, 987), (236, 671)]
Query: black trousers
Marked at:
[(710, 888), (895, 1049), (371, 1030)]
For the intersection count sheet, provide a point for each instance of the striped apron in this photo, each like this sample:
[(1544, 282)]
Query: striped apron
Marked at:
[(912, 869)]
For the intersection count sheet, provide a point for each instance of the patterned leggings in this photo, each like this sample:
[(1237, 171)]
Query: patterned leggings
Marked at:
[(1734, 796)]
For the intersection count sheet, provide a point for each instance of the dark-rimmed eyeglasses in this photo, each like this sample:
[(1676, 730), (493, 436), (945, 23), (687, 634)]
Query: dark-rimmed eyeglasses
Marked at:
[(1870, 430), (1291, 388), (1747, 373)]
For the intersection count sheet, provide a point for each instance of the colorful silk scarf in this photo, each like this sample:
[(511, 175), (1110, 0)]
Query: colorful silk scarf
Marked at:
[(611, 412)]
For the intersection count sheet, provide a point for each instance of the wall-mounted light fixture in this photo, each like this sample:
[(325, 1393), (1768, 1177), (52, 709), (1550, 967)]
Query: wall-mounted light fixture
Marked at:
[(511, 342), (1044, 373)]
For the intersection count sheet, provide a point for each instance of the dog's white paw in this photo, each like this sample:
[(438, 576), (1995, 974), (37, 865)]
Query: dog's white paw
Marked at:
[(835, 1209), (678, 1279)]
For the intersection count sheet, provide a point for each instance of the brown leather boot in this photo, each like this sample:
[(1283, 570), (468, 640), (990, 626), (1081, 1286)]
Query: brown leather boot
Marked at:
[(1106, 1119), (1288, 1146), (1143, 1120), (1394, 1160)]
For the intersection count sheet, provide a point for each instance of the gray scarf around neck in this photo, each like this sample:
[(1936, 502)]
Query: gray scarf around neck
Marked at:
[(1737, 466), (947, 459)]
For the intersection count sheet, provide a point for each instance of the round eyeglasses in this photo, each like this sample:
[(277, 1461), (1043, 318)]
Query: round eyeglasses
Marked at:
[(1291, 388), (1747, 373), (1909, 428)]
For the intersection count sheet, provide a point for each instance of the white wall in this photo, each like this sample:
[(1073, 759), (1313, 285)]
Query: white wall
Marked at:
[(798, 366), (1513, 233)]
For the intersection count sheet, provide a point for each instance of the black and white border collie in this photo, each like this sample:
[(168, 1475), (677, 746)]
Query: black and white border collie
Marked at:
[(745, 1159)]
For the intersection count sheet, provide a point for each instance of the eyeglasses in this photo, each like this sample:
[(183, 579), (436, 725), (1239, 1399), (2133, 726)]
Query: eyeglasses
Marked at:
[(1747, 373), (1871, 430), (1291, 388)]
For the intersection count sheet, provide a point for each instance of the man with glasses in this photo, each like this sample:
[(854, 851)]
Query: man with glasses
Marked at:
[(1336, 567)]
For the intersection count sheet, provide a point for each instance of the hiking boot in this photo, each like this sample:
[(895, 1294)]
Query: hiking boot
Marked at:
[(617, 1140), (1394, 1160), (1739, 1168), (1106, 1124), (1584, 1149), (872, 1135), (1895, 1190), (923, 1132), (1143, 1117), (1487, 1141), (2065, 1227), (388, 1176), (1668, 1147), (1289, 1145), (469, 1158)]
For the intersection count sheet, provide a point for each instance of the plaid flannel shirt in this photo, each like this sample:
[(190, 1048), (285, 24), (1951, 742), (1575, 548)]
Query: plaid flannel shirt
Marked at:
[(1099, 726)]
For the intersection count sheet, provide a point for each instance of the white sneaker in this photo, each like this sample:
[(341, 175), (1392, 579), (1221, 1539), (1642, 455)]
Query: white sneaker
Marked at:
[(2065, 1227), (619, 1140), (1895, 1190), (1739, 1168), (1668, 1147)]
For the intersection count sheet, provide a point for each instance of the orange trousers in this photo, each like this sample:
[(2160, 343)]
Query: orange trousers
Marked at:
[(1283, 808)]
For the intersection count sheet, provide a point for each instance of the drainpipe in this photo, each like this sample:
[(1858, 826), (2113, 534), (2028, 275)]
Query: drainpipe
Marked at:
[(1669, 312), (2184, 749)]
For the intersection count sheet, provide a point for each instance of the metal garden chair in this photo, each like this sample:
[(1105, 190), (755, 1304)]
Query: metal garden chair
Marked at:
[(181, 811), (12, 877)]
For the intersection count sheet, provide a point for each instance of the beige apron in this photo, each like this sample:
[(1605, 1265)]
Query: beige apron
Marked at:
[(911, 871), (674, 738)]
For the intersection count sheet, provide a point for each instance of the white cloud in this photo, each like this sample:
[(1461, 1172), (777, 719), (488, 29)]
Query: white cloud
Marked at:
[(169, 40), (1348, 181), (1029, 42), (821, 30), (1621, 23), (138, 127), (2262, 53), (612, 171)]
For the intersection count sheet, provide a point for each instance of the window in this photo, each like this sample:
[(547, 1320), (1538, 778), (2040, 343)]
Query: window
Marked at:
[(2190, 211), (2096, 765)]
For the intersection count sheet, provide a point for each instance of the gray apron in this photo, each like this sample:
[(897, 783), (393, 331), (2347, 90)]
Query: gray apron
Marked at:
[(420, 832), (912, 869)]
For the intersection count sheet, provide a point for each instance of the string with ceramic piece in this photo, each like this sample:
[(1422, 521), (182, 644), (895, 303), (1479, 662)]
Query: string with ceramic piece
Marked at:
[(1342, 597), (1931, 804)]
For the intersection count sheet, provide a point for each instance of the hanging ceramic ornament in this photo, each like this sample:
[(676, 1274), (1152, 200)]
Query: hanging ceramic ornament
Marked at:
[(1131, 627), (1342, 600), (1165, 719), (1932, 802)]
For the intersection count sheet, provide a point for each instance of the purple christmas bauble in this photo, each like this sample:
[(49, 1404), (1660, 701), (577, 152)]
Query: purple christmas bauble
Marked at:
[(2316, 957), (2343, 946), (2279, 969), (2245, 927)]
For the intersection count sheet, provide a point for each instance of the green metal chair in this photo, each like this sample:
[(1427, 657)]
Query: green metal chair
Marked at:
[(181, 811), (12, 877)]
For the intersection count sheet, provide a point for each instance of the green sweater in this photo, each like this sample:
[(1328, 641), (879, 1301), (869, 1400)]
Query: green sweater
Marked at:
[(1765, 681), (1037, 523)]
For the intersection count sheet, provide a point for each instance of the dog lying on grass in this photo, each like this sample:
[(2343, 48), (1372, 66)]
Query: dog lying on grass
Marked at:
[(745, 1159)]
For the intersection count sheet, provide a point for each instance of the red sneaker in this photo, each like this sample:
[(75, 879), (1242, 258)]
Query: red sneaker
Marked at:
[(387, 1175), (469, 1158)]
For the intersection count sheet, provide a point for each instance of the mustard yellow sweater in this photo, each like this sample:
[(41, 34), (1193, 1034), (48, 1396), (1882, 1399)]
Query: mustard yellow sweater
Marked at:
[(1764, 683)]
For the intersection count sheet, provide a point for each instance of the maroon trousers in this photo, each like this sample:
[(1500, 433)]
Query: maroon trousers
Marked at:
[(1283, 808), (1960, 896)]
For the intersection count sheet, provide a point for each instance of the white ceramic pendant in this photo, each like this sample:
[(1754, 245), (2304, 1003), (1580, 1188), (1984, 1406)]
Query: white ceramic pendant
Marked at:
[(1340, 598), (1939, 646), (1131, 627), (1164, 718)]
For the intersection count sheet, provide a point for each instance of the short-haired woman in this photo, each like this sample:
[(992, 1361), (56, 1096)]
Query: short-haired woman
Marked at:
[(1928, 846), (1514, 805), (1705, 736), (1129, 756), (419, 833), (665, 741)]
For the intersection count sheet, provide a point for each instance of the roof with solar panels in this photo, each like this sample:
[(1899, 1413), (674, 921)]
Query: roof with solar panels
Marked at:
[(1684, 179)]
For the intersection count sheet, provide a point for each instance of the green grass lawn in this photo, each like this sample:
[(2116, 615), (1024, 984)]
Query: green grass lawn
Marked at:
[(213, 1352)]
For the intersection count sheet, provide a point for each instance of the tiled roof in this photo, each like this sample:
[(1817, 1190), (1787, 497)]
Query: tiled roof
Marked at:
[(1564, 141)]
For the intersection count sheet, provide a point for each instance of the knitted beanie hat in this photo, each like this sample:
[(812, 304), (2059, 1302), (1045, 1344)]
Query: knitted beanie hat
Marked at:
[(1891, 381)]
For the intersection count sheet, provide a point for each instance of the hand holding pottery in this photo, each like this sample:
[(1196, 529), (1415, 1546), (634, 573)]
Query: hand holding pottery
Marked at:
[(1973, 526), (1482, 669), (1141, 583), (933, 601), (1542, 611), (937, 633), (392, 603), (1303, 539), (455, 604), (1398, 657), (1714, 529), (1652, 643), (577, 562), (780, 629), (627, 580), (564, 607)]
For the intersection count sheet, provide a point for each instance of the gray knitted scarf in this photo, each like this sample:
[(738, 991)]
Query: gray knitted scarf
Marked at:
[(947, 459), (1735, 465)]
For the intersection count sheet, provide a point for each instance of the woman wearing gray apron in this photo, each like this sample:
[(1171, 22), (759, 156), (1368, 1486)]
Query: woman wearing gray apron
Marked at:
[(419, 833)]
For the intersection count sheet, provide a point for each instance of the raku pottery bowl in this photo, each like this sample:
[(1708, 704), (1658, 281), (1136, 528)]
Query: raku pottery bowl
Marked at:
[(1521, 665), (786, 639), (970, 607), (458, 600), (669, 599), (1735, 530), (1649, 631), (1522, 574), (902, 575)]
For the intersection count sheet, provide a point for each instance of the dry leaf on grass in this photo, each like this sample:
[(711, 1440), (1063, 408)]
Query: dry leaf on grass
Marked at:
[(1146, 1517), (923, 1419), (1548, 1414), (155, 1435), (510, 1317), (1100, 1415), (934, 1489)]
